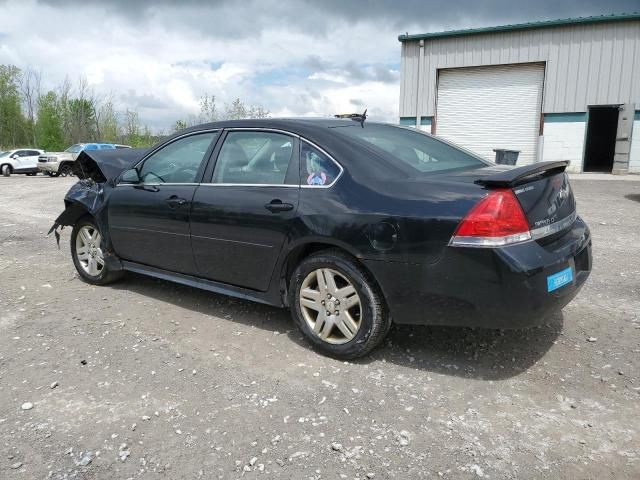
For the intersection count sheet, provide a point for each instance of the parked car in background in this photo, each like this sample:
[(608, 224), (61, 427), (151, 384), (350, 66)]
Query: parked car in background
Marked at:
[(21, 160), (117, 145), (61, 163), (351, 225)]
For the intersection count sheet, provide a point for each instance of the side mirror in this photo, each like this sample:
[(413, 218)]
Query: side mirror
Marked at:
[(130, 176), (14, 156)]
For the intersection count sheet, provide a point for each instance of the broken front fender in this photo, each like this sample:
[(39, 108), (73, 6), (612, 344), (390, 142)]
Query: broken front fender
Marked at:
[(87, 197)]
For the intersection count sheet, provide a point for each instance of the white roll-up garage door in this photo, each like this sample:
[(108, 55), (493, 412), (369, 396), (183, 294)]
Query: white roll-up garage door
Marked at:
[(483, 108)]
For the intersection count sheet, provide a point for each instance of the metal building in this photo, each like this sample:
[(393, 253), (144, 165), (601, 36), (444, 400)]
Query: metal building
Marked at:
[(553, 90)]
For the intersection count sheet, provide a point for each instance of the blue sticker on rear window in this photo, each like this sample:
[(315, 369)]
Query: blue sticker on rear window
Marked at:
[(559, 279)]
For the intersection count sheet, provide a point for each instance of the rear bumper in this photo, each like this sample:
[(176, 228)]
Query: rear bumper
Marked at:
[(493, 288)]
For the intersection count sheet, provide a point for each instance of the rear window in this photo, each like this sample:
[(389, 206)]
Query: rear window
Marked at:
[(409, 148)]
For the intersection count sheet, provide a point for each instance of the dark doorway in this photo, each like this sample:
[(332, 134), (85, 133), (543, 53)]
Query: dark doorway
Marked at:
[(600, 146)]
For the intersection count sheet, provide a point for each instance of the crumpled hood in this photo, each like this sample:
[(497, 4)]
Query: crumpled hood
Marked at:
[(105, 165)]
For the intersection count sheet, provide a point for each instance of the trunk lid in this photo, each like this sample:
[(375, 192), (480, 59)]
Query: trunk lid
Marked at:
[(548, 204)]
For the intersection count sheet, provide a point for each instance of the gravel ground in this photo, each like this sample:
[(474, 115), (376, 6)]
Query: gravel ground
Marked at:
[(146, 379)]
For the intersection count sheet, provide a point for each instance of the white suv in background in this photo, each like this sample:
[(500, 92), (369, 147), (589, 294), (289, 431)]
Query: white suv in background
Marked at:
[(20, 160)]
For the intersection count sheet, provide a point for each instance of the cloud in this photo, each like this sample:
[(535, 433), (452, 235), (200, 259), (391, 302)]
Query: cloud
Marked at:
[(292, 57)]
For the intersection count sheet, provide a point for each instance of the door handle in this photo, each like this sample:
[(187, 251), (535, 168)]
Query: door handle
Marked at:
[(276, 206), (174, 201)]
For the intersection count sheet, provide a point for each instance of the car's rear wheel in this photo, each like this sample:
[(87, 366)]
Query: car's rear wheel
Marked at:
[(6, 170), (65, 170), (337, 305), (88, 256)]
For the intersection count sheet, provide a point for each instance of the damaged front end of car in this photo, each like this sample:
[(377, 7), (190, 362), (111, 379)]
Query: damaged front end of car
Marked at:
[(98, 172)]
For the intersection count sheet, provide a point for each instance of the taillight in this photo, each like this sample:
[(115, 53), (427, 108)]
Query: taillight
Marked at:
[(496, 220)]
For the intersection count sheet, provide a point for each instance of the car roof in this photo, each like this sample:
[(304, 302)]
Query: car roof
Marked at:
[(320, 131), (290, 124)]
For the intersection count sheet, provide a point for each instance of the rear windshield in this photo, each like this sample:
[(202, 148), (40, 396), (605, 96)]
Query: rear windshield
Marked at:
[(410, 148)]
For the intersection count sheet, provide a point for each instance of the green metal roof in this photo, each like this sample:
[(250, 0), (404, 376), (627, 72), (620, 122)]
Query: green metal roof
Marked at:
[(523, 26)]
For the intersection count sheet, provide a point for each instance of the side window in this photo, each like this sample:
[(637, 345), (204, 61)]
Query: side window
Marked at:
[(254, 158), (22, 153), (179, 161), (317, 169)]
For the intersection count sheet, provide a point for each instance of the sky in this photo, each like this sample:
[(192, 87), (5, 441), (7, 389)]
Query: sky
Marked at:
[(294, 58)]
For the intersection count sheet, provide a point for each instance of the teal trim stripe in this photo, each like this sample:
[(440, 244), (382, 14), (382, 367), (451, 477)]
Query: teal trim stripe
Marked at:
[(565, 117), (411, 121), (524, 26), (637, 115)]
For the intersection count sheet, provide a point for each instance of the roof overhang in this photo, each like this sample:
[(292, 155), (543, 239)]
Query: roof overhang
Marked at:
[(523, 26)]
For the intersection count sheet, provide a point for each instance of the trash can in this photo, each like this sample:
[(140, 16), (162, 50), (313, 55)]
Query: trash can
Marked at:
[(506, 157)]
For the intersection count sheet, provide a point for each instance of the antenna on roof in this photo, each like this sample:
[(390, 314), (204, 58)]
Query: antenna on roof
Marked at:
[(358, 117)]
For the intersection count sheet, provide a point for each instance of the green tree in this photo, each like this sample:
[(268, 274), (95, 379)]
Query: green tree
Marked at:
[(179, 125), (12, 122), (81, 120), (49, 133), (108, 124), (208, 109), (134, 133), (238, 110)]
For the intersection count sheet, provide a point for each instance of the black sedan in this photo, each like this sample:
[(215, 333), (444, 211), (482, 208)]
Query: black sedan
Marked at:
[(351, 225)]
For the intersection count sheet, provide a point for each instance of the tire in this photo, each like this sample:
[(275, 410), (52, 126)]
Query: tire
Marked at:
[(65, 170), (6, 170), (100, 273), (366, 322)]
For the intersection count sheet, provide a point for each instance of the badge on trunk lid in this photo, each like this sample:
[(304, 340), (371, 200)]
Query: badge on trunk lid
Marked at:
[(559, 279)]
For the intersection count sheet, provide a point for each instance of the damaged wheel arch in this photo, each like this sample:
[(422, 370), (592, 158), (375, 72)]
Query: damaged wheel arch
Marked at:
[(98, 172)]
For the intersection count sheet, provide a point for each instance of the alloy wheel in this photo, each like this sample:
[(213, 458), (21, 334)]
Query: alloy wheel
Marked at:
[(88, 250), (330, 306)]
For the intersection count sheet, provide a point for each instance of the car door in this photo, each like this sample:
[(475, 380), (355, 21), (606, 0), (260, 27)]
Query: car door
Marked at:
[(20, 159), (31, 160), (241, 217), (149, 221)]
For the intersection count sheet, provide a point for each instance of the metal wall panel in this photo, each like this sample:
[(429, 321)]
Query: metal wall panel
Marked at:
[(593, 64)]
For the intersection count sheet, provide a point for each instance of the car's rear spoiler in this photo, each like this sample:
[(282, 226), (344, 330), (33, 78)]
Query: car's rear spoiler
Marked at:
[(514, 176)]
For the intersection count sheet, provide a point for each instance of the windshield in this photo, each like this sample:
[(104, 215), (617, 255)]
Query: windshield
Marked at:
[(74, 148), (410, 148)]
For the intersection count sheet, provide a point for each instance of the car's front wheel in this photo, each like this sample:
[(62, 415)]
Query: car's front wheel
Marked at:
[(6, 170), (337, 305), (88, 255), (65, 170)]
